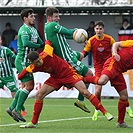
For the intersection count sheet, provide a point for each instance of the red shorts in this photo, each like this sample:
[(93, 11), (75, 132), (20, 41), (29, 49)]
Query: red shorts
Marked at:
[(70, 80), (117, 80)]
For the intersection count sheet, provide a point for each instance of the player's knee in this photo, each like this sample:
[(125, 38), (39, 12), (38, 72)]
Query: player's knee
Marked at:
[(98, 93), (124, 97), (39, 96)]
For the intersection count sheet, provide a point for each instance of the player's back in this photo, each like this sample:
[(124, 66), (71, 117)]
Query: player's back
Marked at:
[(55, 66), (126, 61)]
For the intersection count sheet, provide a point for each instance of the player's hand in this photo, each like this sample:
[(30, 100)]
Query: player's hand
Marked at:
[(81, 56), (117, 57), (85, 43)]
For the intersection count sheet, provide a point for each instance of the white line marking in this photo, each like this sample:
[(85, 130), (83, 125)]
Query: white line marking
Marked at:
[(56, 120)]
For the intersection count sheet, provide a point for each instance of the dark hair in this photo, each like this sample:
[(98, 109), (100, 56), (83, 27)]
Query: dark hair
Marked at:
[(33, 55), (92, 22), (50, 11), (8, 24), (26, 13), (125, 20), (99, 23)]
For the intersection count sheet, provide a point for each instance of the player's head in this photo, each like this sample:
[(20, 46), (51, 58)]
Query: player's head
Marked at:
[(99, 23), (52, 14), (34, 58), (28, 17), (8, 26), (91, 24), (99, 28), (125, 22)]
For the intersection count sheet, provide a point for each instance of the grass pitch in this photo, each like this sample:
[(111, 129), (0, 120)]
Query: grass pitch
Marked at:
[(61, 116)]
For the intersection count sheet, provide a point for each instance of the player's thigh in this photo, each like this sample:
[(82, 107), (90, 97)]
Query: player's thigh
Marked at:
[(10, 83), (83, 69), (44, 91), (29, 85), (119, 83)]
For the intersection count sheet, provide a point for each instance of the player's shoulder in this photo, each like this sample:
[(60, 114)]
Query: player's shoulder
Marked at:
[(4, 47), (24, 27), (52, 24), (108, 36), (92, 38)]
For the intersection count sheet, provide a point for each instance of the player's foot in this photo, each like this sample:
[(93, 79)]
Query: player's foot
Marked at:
[(108, 116), (129, 112), (18, 115), (24, 113), (123, 125), (82, 106), (29, 125), (9, 111), (95, 115)]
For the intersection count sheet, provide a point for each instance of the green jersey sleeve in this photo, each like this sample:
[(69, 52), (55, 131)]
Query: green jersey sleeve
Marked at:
[(10, 53), (27, 43), (68, 33)]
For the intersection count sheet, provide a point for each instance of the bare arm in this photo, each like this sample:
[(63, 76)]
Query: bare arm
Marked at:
[(115, 48)]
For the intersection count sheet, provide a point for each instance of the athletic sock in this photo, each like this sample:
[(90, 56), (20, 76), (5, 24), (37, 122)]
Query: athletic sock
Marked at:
[(15, 99), (80, 97), (97, 104), (122, 104), (22, 98), (98, 97), (37, 110)]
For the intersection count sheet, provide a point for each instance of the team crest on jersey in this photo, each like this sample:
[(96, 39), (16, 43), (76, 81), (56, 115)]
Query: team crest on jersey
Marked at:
[(100, 49), (34, 39)]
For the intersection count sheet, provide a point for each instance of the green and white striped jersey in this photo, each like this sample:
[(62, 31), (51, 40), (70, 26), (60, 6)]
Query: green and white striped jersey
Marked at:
[(58, 34), (5, 63), (28, 40)]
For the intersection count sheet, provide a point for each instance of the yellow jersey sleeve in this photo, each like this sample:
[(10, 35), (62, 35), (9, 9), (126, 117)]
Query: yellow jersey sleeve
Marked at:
[(48, 49), (128, 43)]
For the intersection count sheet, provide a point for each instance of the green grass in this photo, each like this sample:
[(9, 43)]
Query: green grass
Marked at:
[(61, 116)]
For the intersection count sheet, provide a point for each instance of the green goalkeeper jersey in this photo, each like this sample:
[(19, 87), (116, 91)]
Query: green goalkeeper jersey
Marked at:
[(58, 35), (5, 63), (28, 40)]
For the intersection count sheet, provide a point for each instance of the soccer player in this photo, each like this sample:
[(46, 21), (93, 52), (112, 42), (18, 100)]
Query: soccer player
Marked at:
[(61, 73), (7, 76), (100, 44), (28, 40), (112, 70), (58, 35)]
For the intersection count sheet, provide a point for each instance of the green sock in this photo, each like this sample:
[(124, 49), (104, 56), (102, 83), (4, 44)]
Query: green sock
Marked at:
[(22, 98), (14, 102), (80, 96), (23, 108)]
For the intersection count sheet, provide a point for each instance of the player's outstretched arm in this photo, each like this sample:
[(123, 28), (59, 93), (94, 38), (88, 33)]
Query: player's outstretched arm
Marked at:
[(22, 74)]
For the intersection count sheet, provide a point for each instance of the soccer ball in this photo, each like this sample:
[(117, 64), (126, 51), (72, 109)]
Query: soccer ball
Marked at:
[(80, 35)]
